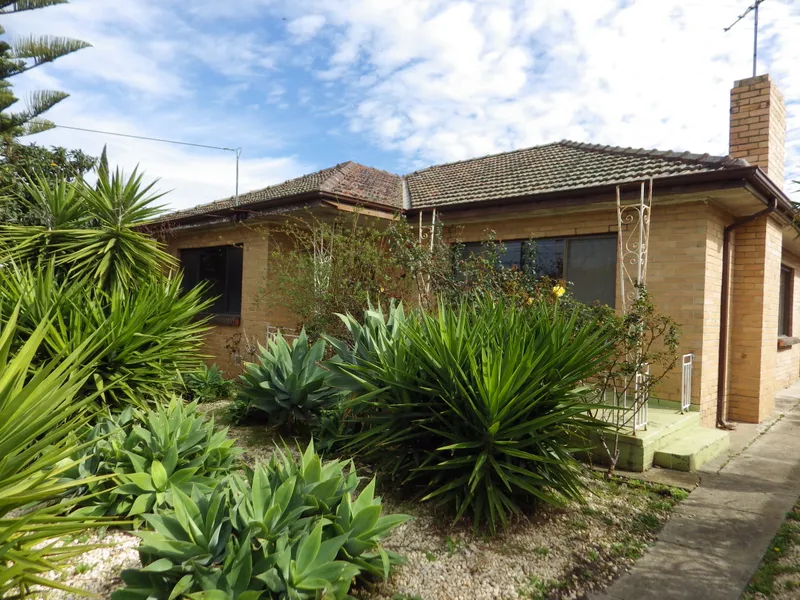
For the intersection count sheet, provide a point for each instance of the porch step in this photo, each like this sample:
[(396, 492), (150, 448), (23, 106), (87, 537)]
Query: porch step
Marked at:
[(690, 451)]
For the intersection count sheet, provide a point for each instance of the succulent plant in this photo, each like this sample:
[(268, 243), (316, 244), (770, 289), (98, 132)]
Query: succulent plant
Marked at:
[(149, 455), (287, 530), (287, 383)]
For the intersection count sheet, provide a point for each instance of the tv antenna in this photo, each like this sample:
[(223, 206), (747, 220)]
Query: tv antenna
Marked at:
[(237, 151), (754, 9)]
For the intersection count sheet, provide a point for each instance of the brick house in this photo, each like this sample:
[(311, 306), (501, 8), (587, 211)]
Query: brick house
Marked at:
[(724, 254)]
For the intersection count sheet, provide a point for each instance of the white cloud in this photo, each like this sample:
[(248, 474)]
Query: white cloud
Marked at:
[(442, 81), (305, 27)]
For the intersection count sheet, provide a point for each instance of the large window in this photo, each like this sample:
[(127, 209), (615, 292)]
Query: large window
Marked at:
[(786, 302), (220, 268), (588, 264)]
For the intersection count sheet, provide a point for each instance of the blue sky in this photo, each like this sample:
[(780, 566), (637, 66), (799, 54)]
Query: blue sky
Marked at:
[(397, 84)]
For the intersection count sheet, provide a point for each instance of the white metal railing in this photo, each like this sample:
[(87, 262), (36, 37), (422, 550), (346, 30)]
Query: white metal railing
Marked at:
[(641, 397), (628, 408), (686, 381)]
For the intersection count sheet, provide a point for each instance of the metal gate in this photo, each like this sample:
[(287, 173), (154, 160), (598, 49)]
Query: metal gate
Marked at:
[(686, 383)]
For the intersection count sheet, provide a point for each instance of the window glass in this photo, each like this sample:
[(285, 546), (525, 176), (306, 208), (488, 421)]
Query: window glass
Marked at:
[(510, 258), (549, 258), (785, 303), (220, 268), (592, 268)]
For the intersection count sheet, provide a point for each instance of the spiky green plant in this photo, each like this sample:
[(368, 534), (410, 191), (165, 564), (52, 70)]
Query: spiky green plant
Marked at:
[(93, 236), (39, 410), (292, 531), (147, 455), (287, 383), (151, 330), (476, 405), (208, 384)]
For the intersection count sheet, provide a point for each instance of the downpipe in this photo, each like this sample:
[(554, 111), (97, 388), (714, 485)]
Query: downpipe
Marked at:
[(722, 373)]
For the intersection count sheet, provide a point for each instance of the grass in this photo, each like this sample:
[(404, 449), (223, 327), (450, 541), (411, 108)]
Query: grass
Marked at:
[(779, 570)]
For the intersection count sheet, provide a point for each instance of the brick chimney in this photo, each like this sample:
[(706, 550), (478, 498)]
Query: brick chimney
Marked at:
[(758, 125)]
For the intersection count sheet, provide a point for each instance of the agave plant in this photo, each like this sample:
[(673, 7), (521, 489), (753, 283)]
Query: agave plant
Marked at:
[(288, 383), (477, 405), (151, 454), (208, 384), (291, 532), (39, 410), (151, 330)]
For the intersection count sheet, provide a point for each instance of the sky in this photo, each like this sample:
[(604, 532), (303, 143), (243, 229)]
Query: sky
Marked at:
[(301, 85)]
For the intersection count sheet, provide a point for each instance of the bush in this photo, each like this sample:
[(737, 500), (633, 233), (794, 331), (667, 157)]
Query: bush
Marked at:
[(287, 383), (151, 331), (476, 404), (152, 454), (39, 410), (208, 384), (286, 530)]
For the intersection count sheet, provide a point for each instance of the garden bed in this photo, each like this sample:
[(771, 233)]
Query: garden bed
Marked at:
[(558, 552)]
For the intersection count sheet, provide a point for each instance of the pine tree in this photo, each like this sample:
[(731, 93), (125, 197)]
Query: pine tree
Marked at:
[(23, 54)]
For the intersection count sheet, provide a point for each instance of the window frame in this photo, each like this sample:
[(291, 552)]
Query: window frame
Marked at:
[(226, 316), (785, 302), (566, 239)]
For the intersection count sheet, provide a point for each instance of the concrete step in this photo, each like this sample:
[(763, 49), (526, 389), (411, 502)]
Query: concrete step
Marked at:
[(692, 450)]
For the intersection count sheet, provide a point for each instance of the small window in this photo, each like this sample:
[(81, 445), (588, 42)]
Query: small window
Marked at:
[(511, 257), (786, 302), (220, 268)]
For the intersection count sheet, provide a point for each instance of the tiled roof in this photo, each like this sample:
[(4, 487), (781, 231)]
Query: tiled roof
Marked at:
[(349, 179), (559, 166), (552, 167)]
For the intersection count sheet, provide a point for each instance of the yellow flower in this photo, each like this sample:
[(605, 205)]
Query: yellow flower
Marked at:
[(558, 291), (530, 300), (382, 290), (777, 549), (53, 165)]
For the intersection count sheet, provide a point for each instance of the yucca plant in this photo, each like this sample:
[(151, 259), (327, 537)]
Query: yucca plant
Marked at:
[(289, 530), (92, 237), (39, 410), (287, 383), (151, 330), (207, 384), (148, 455), (477, 404)]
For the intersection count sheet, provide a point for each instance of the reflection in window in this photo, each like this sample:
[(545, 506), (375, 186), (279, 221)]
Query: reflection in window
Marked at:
[(588, 264), (220, 268)]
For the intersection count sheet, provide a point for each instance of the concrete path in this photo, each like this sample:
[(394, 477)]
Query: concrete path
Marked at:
[(715, 540)]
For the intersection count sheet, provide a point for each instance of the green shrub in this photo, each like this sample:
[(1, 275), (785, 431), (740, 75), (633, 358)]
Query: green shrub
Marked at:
[(208, 384), (287, 530), (151, 331), (476, 404), (287, 383), (39, 410), (151, 454)]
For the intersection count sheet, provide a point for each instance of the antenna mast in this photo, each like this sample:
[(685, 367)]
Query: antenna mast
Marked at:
[(754, 9)]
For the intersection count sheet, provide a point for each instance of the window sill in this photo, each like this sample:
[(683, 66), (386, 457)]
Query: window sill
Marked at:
[(222, 319), (785, 342)]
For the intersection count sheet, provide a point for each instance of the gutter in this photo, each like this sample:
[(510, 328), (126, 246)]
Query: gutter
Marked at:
[(722, 373)]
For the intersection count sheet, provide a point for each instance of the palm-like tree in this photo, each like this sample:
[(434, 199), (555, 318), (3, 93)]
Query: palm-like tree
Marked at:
[(23, 54)]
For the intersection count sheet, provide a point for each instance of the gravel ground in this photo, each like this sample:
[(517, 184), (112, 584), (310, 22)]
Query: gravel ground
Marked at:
[(778, 576), (97, 571), (558, 552)]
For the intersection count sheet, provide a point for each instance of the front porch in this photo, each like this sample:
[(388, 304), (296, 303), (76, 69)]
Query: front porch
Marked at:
[(671, 438)]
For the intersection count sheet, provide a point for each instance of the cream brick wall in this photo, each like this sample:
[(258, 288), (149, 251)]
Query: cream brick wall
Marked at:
[(758, 125), (753, 348), (677, 277), (258, 242), (684, 278), (787, 365)]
